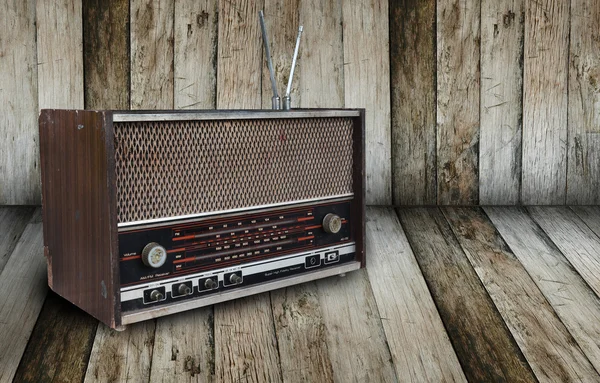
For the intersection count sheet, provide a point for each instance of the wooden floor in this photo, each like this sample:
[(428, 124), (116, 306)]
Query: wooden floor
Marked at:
[(450, 294)]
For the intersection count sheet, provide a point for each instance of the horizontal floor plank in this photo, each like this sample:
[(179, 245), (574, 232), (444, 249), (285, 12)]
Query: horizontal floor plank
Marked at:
[(13, 220)]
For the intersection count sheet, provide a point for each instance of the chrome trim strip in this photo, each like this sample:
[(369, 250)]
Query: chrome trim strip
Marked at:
[(234, 294), (235, 115), (158, 221)]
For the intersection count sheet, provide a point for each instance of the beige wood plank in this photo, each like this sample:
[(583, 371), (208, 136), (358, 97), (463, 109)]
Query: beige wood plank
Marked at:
[(413, 93), (572, 300), (152, 54), (24, 286), (195, 48), (545, 102), (458, 101), (355, 338), (482, 342), (122, 356), (245, 342), (19, 148), (583, 173), (366, 85), (419, 344), (574, 239), (501, 109), (12, 223), (184, 347), (590, 215)]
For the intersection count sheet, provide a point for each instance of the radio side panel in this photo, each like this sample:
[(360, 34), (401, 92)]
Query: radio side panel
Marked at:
[(359, 183), (79, 209)]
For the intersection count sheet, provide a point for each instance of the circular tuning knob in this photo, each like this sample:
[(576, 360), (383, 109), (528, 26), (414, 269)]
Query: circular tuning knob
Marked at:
[(184, 289), (154, 255), (332, 223), (235, 279), (156, 295), (210, 284)]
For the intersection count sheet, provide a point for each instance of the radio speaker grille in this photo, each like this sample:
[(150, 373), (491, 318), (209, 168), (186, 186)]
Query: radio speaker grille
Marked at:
[(175, 168)]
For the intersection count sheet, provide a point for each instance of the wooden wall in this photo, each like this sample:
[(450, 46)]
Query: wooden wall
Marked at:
[(490, 101)]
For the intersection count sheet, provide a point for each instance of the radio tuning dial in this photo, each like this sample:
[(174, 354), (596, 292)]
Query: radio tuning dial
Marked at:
[(154, 255), (332, 223)]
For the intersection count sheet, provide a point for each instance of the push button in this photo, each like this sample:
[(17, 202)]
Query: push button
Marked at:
[(332, 257), (312, 261)]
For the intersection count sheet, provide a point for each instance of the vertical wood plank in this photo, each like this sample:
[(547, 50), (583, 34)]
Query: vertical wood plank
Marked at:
[(583, 173), (106, 54), (545, 102), (458, 101), (418, 342), (19, 151), (484, 345), (501, 110), (590, 215), (195, 66), (152, 54), (366, 85), (12, 223), (413, 94)]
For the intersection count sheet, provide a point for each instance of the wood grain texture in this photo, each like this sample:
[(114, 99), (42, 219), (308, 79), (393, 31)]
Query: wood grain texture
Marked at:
[(239, 55), (24, 287), (583, 173), (184, 347), (545, 342), (301, 334), (122, 356), (575, 240), (366, 85), (195, 47), (418, 342), (590, 215), (60, 345), (245, 341), (152, 54), (485, 347), (501, 109), (19, 170), (458, 102), (355, 338), (545, 102), (576, 305), (413, 101), (106, 54), (12, 223)]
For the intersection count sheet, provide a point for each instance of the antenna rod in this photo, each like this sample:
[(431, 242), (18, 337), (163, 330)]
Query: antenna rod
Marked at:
[(275, 100), (287, 101)]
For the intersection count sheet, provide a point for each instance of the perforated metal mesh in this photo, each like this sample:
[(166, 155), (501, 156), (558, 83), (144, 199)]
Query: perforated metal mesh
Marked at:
[(167, 169)]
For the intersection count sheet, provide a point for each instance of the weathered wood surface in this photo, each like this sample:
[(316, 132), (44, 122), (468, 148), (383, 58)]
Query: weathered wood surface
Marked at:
[(583, 173), (484, 345), (122, 356), (576, 305), (12, 222), (184, 349), (152, 54), (19, 153), (195, 49), (413, 101), (501, 109), (545, 102), (106, 54), (60, 345), (418, 342), (574, 239), (545, 342), (24, 286), (590, 215), (366, 85), (458, 102)]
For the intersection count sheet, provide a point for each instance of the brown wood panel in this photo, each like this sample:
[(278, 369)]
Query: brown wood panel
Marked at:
[(19, 166), (60, 345), (545, 102), (458, 102), (484, 345), (501, 109), (583, 173), (12, 223), (413, 98), (106, 54)]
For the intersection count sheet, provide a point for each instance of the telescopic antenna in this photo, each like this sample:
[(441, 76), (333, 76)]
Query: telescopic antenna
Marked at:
[(287, 102), (276, 101)]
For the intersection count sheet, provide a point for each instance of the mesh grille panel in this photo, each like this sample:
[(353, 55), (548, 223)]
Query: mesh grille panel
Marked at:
[(174, 168)]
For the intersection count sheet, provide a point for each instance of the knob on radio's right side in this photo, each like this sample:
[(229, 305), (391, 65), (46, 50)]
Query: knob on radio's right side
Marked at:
[(332, 223)]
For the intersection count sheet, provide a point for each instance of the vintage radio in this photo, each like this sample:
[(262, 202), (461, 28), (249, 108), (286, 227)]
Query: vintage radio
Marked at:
[(149, 213)]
